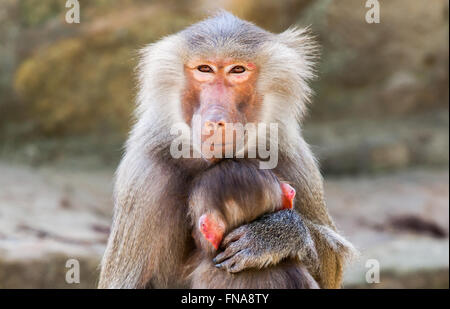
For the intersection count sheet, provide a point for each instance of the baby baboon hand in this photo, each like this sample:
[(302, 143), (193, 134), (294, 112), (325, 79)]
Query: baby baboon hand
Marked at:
[(266, 242)]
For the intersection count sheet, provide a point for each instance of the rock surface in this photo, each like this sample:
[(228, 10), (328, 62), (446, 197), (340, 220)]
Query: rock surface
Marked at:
[(367, 71), (50, 215), (401, 220), (367, 146)]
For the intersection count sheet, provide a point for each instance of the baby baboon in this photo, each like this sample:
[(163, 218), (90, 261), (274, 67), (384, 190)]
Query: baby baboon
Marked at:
[(224, 197)]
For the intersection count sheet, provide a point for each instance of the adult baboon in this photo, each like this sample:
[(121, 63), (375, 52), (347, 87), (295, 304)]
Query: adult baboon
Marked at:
[(227, 71)]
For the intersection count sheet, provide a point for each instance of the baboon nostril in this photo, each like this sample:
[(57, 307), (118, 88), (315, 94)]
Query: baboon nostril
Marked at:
[(221, 123)]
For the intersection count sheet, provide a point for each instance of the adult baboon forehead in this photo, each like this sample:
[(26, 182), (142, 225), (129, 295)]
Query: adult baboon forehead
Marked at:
[(226, 35)]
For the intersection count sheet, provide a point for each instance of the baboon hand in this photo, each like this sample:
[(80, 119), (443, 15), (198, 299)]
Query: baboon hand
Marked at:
[(266, 242)]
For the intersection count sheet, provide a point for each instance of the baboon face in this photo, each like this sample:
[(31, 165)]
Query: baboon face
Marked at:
[(222, 91)]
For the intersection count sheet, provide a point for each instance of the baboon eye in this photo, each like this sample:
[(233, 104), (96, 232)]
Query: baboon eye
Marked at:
[(205, 68), (237, 69)]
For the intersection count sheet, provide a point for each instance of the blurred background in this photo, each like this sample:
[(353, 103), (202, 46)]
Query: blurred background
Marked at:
[(379, 125)]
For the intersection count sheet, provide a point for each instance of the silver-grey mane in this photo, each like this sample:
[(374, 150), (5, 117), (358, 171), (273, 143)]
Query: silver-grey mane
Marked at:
[(225, 33)]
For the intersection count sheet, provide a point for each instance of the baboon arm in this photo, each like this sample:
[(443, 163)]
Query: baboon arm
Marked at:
[(333, 250), (149, 233), (267, 241)]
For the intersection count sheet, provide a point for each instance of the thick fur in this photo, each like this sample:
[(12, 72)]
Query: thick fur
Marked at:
[(150, 236), (286, 275), (236, 189)]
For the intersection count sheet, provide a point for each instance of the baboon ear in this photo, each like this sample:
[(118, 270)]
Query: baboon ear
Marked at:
[(212, 229), (288, 193)]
